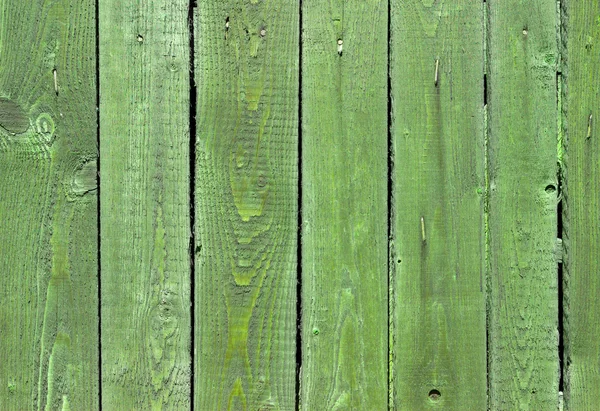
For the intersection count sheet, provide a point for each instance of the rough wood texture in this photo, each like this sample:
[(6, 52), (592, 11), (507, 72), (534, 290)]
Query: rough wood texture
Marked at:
[(344, 205), (48, 237), (523, 316), (145, 204), (246, 204), (439, 347), (581, 172)]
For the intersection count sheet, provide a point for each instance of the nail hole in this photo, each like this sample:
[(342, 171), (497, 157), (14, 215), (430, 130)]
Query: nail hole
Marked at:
[(140, 38), (434, 395), (263, 32), (550, 188), (525, 31)]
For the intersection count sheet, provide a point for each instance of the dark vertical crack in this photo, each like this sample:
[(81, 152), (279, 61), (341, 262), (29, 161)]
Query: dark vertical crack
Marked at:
[(559, 207), (561, 345), (192, 194), (390, 216), (98, 214), (559, 234), (486, 198), (485, 87), (299, 223)]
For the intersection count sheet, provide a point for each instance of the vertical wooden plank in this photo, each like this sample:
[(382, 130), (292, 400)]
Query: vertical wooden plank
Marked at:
[(48, 204), (523, 338), (439, 349), (344, 205), (145, 204), (581, 235), (246, 204)]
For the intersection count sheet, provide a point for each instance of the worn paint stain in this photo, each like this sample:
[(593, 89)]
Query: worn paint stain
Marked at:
[(12, 116)]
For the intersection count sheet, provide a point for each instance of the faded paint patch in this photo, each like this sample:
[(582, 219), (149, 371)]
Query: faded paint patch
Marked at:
[(12, 117)]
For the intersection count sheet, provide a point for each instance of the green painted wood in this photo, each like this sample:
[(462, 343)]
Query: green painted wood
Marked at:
[(438, 241), (581, 172), (246, 204), (48, 203), (145, 204), (344, 205), (522, 151)]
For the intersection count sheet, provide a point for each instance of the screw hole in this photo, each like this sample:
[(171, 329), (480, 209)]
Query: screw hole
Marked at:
[(550, 188), (434, 395)]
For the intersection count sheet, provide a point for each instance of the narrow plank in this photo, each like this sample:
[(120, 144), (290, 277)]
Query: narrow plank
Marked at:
[(246, 204), (439, 347), (48, 203), (344, 205), (145, 204), (522, 152), (581, 232)]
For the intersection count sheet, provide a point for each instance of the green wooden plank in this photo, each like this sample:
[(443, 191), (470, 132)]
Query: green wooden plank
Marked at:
[(145, 204), (246, 204), (581, 236), (48, 203), (439, 347), (523, 303), (344, 205)]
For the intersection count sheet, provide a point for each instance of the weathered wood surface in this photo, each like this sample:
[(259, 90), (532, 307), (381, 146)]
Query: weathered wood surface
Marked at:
[(422, 244), (438, 296), (145, 204), (523, 189), (344, 205), (48, 260), (581, 172), (246, 204)]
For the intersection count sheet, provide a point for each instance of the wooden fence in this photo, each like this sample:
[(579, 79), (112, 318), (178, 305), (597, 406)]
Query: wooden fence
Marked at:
[(285, 204)]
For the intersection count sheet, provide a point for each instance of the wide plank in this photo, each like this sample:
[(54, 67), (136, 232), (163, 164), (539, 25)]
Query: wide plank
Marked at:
[(523, 196), (48, 206), (246, 204), (344, 205), (438, 356), (145, 204)]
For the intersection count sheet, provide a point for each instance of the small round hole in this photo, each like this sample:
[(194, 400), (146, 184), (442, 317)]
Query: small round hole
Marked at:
[(550, 188), (434, 395)]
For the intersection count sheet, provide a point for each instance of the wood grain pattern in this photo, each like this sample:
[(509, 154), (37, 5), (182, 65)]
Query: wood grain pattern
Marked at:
[(581, 173), (48, 235), (344, 205), (438, 300), (523, 188), (145, 204), (246, 204)]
